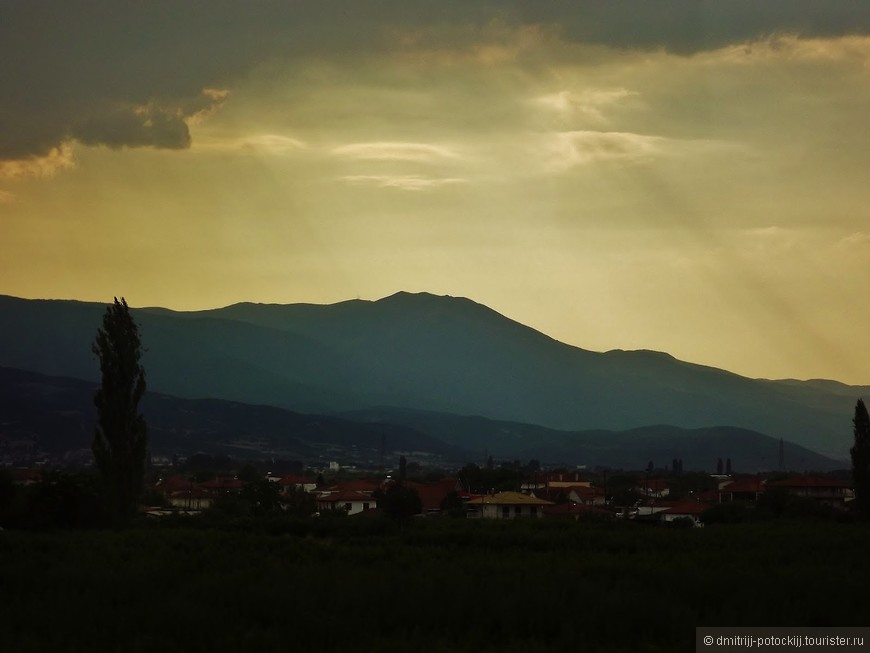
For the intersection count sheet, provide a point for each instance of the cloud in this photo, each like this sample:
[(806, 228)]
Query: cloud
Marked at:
[(403, 182), (795, 49), (272, 144), (857, 240), (687, 26), (384, 151), (58, 158), (590, 103), (583, 147), (134, 74)]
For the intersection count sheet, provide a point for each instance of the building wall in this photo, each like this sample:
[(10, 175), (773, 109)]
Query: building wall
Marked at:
[(351, 507), (493, 511)]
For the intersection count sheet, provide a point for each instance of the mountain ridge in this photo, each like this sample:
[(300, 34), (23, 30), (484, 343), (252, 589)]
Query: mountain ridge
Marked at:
[(429, 352)]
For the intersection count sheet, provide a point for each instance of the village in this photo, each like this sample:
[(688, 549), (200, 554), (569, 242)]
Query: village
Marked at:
[(649, 497)]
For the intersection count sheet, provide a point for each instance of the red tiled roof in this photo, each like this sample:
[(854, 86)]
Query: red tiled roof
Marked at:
[(194, 492), (744, 485), (686, 508), (294, 480), (509, 499), (174, 483), (810, 481), (224, 483), (357, 485), (431, 496), (26, 475), (344, 496)]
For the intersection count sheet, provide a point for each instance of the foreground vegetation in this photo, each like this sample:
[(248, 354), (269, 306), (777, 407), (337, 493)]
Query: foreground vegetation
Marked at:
[(369, 584)]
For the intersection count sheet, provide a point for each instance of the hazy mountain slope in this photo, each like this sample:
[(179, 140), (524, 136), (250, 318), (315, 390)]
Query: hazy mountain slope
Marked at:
[(425, 352), (633, 449), (57, 415), (699, 449)]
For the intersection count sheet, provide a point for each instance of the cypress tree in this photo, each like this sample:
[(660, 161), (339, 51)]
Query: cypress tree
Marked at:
[(861, 458), (120, 439)]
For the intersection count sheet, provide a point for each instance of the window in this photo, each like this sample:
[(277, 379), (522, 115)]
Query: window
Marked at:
[(533, 510), (506, 512), (365, 506), (348, 507)]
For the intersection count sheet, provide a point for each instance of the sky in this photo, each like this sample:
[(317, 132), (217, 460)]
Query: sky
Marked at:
[(683, 176)]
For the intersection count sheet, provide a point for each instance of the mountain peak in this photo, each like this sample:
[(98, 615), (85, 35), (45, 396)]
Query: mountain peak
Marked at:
[(405, 295)]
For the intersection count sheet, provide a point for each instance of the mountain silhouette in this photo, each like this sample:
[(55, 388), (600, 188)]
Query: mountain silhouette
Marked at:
[(425, 352)]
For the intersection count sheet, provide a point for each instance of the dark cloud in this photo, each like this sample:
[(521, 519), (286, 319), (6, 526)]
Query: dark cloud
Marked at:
[(132, 73), (689, 26)]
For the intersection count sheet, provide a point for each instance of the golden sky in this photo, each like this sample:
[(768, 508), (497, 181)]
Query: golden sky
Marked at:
[(688, 177)]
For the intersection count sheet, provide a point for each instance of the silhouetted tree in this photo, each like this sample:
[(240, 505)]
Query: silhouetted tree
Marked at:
[(121, 438), (728, 466), (400, 502), (249, 473), (453, 505), (861, 458), (261, 495), (403, 468), (719, 466)]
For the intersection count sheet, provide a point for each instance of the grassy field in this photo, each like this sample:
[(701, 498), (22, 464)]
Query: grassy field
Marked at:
[(436, 585)]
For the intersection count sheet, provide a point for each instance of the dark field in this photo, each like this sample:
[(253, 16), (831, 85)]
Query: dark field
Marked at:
[(437, 585)]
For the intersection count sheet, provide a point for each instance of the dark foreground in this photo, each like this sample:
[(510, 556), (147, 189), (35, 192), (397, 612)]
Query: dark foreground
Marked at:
[(438, 585)]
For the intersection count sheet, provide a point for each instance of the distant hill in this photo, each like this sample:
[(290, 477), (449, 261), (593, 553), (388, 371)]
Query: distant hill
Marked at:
[(55, 416), (425, 352), (699, 449)]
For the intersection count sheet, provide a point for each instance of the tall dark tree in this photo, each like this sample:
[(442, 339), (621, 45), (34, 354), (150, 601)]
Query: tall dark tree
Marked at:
[(400, 502), (861, 458), (121, 438)]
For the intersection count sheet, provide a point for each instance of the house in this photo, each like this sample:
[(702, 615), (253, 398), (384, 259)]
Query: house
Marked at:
[(192, 498), (184, 493), (553, 479), (432, 495), (689, 509), (587, 495), (223, 485), (294, 482), (507, 505), (26, 476), (747, 488), (829, 491), (656, 488), (351, 501), (364, 485)]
